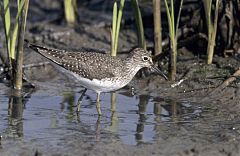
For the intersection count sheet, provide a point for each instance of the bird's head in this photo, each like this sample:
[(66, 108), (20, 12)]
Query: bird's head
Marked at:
[(144, 59)]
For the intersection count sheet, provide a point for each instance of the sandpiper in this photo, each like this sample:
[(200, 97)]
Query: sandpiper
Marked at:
[(97, 71)]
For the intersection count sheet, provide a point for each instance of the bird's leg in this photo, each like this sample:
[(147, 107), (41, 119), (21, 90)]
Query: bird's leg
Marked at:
[(98, 128), (80, 100), (98, 104)]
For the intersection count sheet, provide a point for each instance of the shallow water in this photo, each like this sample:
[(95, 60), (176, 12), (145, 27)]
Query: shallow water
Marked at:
[(136, 119)]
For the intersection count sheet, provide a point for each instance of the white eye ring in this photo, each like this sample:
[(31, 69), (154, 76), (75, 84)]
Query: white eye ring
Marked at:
[(145, 58)]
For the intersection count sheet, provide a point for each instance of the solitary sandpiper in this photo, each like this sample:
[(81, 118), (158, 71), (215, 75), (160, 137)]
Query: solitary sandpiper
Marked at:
[(97, 71)]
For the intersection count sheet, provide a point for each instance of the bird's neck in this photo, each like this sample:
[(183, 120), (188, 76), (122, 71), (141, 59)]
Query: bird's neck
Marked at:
[(131, 67)]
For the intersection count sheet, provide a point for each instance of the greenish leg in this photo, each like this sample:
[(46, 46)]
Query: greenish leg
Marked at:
[(98, 104)]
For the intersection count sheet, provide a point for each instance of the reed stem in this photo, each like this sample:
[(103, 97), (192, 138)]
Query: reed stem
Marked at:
[(139, 24), (173, 28), (19, 54), (70, 11), (157, 27)]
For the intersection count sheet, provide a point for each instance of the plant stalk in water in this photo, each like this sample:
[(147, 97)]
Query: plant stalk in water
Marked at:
[(15, 64), (173, 36), (19, 55)]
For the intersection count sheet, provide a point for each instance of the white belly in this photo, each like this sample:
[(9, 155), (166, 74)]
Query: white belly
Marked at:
[(105, 85)]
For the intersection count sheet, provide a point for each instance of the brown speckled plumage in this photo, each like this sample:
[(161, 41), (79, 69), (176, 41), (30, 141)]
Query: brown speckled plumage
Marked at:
[(86, 64)]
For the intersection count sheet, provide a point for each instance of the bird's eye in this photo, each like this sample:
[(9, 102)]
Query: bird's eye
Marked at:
[(145, 58)]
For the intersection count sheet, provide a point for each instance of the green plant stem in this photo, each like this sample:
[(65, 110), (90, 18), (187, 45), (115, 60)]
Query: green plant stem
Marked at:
[(170, 25), (172, 19), (173, 56), (157, 27), (19, 55), (10, 40), (119, 18), (7, 25), (212, 35), (139, 23), (113, 32), (207, 8), (178, 17), (69, 10), (173, 37), (173, 48), (13, 38)]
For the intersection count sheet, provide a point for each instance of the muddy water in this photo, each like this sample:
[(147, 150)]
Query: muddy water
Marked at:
[(157, 118), (45, 117)]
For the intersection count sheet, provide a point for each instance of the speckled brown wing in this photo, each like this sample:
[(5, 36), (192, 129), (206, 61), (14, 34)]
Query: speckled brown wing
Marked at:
[(89, 64), (86, 64)]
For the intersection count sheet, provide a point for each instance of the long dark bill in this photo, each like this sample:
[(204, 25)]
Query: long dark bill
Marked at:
[(159, 72)]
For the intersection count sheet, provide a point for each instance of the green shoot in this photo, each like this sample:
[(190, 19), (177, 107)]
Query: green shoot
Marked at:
[(7, 24), (11, 40), (212, 27), (70, 11), (15, 30), (139, 23), (19, 55), (117, 17), (173, 36), (114, 23), (14, 34)]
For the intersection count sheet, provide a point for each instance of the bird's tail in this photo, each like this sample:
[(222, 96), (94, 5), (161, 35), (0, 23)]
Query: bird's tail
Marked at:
[(51, 54), (35, 47)]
